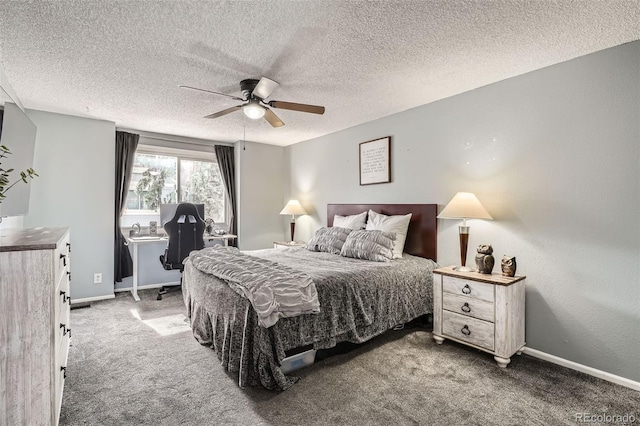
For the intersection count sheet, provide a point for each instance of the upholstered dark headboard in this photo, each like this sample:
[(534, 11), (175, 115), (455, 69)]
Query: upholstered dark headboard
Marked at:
[(422, 237)]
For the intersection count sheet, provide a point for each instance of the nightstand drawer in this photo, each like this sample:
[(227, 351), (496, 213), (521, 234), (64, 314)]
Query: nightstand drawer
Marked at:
[(468, 306), (471, 330), (474, 289)]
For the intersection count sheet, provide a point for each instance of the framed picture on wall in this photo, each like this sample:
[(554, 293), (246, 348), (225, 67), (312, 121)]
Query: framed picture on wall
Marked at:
[(375, 161)]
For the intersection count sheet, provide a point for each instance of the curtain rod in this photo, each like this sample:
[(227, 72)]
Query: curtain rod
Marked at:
[(174, 138)]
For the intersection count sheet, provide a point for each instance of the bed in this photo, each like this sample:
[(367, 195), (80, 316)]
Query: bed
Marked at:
[(358, 299)]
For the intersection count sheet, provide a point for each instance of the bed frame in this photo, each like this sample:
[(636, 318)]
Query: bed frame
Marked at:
[(422, 234)]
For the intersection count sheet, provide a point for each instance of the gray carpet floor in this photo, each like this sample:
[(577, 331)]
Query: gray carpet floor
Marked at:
[(123, 372)]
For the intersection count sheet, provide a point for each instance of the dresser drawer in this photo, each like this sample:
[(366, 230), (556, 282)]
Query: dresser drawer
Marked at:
[(468, 306), (59, 385), (62, 298), (61, 338), (61, 257), (466, 329), (474, 289)]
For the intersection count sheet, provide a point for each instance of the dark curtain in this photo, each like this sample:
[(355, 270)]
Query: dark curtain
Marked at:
[(126, 144), (227, 165)]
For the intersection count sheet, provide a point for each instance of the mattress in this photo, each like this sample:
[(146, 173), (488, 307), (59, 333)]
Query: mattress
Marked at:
[(359, 299)]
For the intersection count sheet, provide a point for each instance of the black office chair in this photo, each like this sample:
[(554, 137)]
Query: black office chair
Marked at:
[(185, 232)]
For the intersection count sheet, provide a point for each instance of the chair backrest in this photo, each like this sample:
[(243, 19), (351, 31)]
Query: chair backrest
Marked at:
[(185, 233)]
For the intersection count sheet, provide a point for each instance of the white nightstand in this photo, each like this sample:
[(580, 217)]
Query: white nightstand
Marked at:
[(480, 310), (283, 244)]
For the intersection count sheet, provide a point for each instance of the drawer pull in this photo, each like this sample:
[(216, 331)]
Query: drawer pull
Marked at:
[(465, 330), (64, 296), (68, 247), (465, 308), (64, 372), (466, 289), (69, 274), (64, 329), (64, 259)]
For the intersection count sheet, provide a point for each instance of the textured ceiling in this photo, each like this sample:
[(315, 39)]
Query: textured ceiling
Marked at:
[(124, 60)]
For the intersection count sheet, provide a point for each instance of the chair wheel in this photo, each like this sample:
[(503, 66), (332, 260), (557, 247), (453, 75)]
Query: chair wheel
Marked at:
[(159, 297)]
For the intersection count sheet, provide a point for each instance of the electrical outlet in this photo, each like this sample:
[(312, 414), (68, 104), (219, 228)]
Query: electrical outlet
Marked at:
[(97, 278)]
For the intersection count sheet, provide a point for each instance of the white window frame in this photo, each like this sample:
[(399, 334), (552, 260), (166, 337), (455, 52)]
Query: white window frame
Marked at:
[(182, 154)]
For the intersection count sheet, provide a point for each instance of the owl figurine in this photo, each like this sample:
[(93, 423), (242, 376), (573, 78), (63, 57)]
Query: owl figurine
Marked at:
[(484, 259), (508, 266)]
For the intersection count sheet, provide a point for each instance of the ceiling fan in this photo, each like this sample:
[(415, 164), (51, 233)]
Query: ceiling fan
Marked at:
[(255, 105)]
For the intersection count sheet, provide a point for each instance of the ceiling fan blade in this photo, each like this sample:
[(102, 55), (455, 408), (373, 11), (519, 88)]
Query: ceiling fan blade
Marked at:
[(314, 109), (224, 112), (272, 118), (209, 91), (265, 87)]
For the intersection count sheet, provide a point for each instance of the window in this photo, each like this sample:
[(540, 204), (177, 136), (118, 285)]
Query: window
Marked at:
[(163, 175)]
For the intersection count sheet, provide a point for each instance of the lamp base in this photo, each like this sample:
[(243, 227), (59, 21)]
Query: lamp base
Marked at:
[(293, 229), (464, 269)]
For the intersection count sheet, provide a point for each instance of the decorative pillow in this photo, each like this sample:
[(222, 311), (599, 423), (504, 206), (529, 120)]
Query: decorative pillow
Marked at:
[(369, 245), (397, 224), (356, 221), (329, 240)]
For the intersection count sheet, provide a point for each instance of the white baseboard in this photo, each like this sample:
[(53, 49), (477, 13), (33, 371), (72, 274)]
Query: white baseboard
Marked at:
[(92, 299), (583, 368)]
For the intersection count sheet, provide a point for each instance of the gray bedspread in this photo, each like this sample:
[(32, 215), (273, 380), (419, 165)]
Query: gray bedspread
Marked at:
[(274, 290), (358, 300)]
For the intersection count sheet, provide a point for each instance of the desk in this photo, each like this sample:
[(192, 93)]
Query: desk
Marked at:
[(138, 241), (224, 237)]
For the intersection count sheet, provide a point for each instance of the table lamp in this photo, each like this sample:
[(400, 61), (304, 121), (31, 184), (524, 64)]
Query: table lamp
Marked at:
[(293, 208), (464, 205)]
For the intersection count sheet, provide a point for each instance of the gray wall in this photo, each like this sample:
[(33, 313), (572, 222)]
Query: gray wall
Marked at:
[(554, 156), (261, 181), (75, 160)]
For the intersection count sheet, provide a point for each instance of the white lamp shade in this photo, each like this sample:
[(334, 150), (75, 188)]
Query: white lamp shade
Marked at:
[(464, 205), (293, 207), (254, 110)]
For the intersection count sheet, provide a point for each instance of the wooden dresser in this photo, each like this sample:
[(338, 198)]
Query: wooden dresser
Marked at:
[(34, 324), (485, 311)]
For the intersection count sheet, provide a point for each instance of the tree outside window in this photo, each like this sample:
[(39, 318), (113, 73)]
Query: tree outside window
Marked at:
[(201, 182)]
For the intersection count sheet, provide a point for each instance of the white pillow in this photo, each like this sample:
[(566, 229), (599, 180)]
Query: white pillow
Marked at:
[(356, 221), (397, 224)]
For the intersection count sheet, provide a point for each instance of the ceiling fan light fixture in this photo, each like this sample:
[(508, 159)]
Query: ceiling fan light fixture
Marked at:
[(254, 110)]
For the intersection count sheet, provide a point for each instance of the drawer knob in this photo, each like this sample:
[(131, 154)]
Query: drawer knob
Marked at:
[(466, 308), (64, 259), (64, 372), (466, 289), (465, 330)]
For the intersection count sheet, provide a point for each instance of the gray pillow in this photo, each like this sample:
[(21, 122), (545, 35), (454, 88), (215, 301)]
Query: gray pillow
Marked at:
[(369, 245), (329, 240)]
